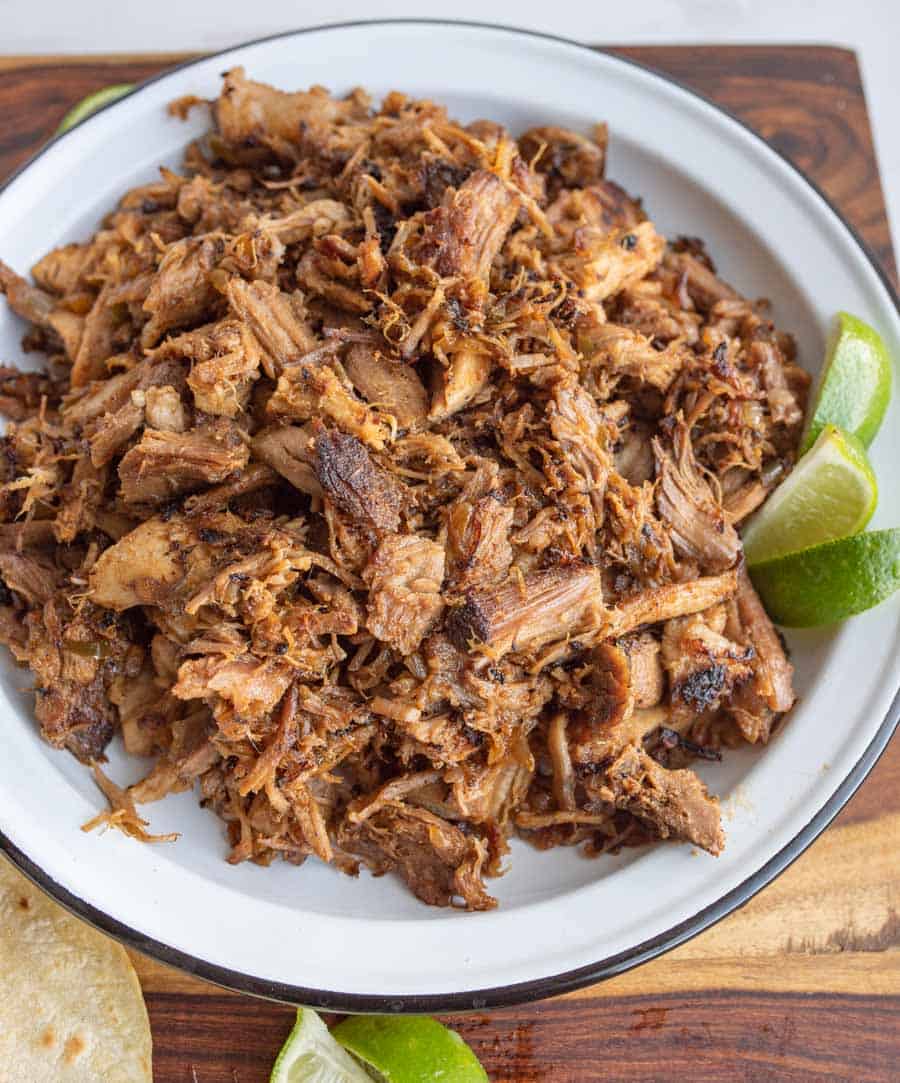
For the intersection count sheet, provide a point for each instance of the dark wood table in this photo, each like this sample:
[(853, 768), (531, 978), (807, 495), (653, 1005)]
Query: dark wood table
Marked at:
[(803, 983)]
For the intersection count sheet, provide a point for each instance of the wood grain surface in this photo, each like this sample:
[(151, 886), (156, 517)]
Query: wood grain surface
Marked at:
[(803, 983)]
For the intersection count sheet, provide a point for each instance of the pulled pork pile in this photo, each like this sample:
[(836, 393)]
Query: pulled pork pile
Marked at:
[(383, 483)]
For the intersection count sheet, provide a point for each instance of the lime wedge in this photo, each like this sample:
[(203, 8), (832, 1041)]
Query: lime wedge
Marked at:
[(829, 494), (311, 1055), (830, 582), (409, 1049), (855, 386), (91, 104)]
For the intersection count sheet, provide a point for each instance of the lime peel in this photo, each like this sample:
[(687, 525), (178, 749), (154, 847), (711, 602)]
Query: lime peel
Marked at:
[(409, 1049), (831, 493), (830, 582), (855, 386), (92, 103), (311, 1055)]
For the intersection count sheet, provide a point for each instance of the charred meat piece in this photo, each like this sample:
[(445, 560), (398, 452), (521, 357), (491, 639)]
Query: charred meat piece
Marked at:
[(704, 666), (362, 490)]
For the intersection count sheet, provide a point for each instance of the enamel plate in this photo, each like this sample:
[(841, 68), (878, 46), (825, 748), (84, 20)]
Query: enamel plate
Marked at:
[(316, 937)]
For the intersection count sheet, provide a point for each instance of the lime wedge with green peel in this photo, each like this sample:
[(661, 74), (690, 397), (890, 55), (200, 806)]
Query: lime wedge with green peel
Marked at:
[(830, 582), (855, 386), (831, 493), (409, 1049), (91, 104), (311, 1055)]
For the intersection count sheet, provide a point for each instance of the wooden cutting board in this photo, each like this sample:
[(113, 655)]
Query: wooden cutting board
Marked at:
[(803, 983)]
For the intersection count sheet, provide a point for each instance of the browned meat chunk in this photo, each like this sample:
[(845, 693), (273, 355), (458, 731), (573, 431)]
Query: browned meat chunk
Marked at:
[(143, 567), (700, 528), (392, 387), (362, 490), (251, 686), (670, 601), (21, 392), (439, 862), (277, 320), (478, 547), (29, 302), (779, 672), (404, 578), (626, 353), (703, 287), (704, 666), (611, 698), (60, 271), (458, 384), (289, 450), (524, 615), (647, 676), (463, 236), (585, 437), (182, 292), (40, 308), (675, 804), (225, 362), (257, 120), (783, 401), (566, 159), (606, 263), (74, 659), (758, 704), (166, 464), (29, 576), (310, 390)]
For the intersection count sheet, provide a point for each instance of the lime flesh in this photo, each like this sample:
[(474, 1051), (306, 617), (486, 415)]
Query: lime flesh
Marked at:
[(830, 582), (831, 493), (855, 386), (311, 1055), (92, 103), (409, 1049)]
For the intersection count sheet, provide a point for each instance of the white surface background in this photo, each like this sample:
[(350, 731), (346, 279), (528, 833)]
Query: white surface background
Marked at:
[(871, 27)]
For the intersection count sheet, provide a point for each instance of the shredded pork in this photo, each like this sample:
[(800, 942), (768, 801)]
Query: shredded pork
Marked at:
[(382, 485)]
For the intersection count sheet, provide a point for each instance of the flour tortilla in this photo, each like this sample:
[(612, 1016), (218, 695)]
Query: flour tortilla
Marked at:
[(71, 1009)]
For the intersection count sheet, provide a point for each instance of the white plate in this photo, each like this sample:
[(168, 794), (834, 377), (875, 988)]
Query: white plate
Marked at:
[(310, 934)]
